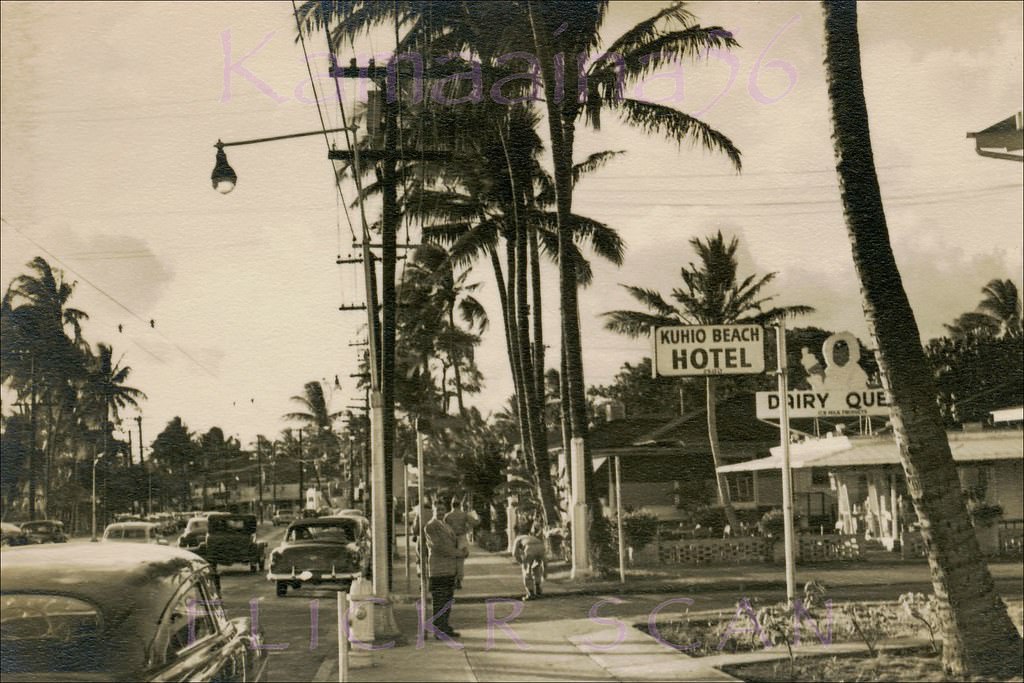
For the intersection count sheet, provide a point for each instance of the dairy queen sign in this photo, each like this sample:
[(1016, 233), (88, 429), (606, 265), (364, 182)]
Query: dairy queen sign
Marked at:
[(836, 389)]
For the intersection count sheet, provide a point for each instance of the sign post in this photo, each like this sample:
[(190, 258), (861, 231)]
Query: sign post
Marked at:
[(787, 474)]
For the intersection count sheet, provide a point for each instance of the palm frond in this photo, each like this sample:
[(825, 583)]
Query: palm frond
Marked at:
[(635, 323), (593, 162), (676, 126), (653, 300)]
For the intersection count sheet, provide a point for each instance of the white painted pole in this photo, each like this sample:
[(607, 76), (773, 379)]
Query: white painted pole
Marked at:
[(787, 476), (378, 503), (95, 460), (342, 637), (618, 517), (405, 495), (580, 549), (421, 541)]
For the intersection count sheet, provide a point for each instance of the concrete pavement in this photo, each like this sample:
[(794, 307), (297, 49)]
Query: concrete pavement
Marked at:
[(503, 639)]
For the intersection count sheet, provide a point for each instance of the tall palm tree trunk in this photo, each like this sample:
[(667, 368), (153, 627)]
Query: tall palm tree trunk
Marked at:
[(538, 324), (510, 344), (538, 440), (720, 479), (979, 639)]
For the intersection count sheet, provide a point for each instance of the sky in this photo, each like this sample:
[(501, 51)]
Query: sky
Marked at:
[(110, 112)]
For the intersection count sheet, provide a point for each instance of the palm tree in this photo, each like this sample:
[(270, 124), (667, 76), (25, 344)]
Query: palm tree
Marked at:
[(1002, 302), (105, 392), (712, 294), (980, 639), (669, 35), (431, 279), (318, 421), (39, 360)]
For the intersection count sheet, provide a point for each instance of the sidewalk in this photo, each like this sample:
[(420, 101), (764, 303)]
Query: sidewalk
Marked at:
[(492, 575), (577, 649)]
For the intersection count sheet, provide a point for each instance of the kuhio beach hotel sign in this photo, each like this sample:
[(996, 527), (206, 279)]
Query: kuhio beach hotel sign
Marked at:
[(836, 389)]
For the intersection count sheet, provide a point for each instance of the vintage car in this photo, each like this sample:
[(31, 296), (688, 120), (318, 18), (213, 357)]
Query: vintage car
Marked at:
[(231, 539), (319, 550), (44, 531), (284, 517), (10, 534), (194, 533), (133, 532), (123, 613)]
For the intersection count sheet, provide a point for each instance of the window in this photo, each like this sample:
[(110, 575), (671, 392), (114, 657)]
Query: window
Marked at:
[(51, 633), (819, 476), (741, 487), (190, 621)]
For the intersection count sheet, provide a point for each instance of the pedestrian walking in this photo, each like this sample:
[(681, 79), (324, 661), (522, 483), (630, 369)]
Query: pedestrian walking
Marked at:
[(528, 551), (460, 523), (441, 567)]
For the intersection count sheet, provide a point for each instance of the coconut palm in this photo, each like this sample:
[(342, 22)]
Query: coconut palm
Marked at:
[(979, 639), (669, 35), (105, 393), (712, 294), (1002, 304), (318, 421), (39, 361)]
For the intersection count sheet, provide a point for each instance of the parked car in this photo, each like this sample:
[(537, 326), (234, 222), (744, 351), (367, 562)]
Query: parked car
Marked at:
[(44, 531), (11, 534), (195, 532), (126, 613), (321, 550), (133, 532), (231, 539), (283, 517)]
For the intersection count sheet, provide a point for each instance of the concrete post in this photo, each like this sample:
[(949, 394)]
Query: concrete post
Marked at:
[(580, 513)]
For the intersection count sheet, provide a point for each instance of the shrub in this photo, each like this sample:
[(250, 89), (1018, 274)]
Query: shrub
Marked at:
[(772, 524), (924, 610), (639, 529)]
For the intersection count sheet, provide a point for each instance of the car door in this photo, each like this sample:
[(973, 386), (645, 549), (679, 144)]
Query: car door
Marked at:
[(192, 643)]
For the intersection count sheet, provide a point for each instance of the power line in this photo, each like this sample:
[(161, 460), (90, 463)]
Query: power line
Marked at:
[(920, 195), (99, 289)]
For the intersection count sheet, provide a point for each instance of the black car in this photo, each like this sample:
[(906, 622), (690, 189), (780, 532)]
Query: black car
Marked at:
[(44, 531), (119, 612), (332, 550), (231, 539)]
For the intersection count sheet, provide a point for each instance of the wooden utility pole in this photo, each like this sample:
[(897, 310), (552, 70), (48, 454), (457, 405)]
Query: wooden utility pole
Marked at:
[(382, 347)]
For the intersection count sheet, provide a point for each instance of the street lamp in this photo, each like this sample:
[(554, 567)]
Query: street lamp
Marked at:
[(95, 460), (224, 177)]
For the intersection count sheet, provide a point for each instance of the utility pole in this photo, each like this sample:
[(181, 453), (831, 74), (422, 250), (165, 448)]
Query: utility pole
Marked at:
[(302, 492), (259, 468), (32, 458), (382, 346), (149, 467)]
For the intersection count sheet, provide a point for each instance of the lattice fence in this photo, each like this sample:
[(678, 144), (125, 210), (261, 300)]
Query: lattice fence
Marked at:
[(829, 548), (715, 550)]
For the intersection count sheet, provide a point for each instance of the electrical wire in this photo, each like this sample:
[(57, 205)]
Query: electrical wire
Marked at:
[(109, 296), (320, 113)]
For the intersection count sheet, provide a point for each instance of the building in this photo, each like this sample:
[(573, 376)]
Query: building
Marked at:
[(861, 480)]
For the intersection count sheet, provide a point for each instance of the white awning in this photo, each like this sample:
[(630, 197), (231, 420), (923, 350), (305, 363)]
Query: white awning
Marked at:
[(845, 452), (1008, 414)]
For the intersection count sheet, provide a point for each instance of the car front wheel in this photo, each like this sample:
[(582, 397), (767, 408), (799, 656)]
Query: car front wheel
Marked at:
[(282, 589)]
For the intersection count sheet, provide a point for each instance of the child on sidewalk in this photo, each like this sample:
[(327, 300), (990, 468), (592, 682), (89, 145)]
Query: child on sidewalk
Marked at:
[(528, 551)]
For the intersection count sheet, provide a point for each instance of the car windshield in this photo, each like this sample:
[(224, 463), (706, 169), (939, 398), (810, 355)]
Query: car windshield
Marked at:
[(197, 526), (40, 527), (337, 533), (233, 525), (135, 534), (51, 633)]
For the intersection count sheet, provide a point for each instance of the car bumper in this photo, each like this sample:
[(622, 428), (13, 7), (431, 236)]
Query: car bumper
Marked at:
[(314, 576)]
